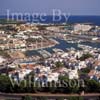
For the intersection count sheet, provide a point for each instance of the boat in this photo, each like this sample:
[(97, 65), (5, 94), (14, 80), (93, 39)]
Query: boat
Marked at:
[(57, 50), (70, 41)]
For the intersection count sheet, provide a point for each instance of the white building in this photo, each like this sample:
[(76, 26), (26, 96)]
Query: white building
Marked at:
[(37, 37), (1, 59), (73, 74), (82, 27), (53, 77)]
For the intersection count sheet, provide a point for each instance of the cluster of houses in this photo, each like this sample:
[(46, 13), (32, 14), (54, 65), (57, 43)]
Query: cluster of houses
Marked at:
[(65, 63), (23, 40), (69, 66)]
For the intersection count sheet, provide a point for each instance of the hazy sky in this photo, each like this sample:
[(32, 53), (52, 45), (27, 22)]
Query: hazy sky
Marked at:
[(75, 7)]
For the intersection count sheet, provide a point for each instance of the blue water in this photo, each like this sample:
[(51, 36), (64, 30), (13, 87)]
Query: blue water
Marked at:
[(72, 19), (64, 45)]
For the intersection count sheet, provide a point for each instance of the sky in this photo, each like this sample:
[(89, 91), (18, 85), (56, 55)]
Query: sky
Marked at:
[(74, 7)]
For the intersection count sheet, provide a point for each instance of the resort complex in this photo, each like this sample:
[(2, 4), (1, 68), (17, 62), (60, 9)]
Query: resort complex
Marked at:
[(53, 58)]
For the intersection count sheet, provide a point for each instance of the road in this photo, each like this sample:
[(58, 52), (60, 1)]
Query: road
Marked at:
[(87, 96)]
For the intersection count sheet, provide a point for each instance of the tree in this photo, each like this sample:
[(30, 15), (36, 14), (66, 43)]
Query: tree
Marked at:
[(61, 98), (5, 84), (76, 98), (4, 54), (59, 64), (85, 56), (63, 78), (27, 98), (92, 86), (42, 98), (85, 70), (41, 27)]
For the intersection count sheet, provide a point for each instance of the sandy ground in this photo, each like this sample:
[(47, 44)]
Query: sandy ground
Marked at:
[(17, 54)]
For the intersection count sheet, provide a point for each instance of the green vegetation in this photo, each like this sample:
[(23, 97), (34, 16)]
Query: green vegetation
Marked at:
[(92, 86), (5, 84), (85, 56), (59, 64), (76, 98), (41, 27), (61, 78), (5, 21), (42, 98), (85, 70), (8, 28), (31, 40), (65, 86), (27, 98), (4, 54)]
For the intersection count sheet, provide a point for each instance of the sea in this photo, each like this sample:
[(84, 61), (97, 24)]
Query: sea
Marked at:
[(49, 19)]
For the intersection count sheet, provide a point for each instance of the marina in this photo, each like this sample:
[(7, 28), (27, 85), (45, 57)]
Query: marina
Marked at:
[(50, 50), (63, 45), (44, 53)]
